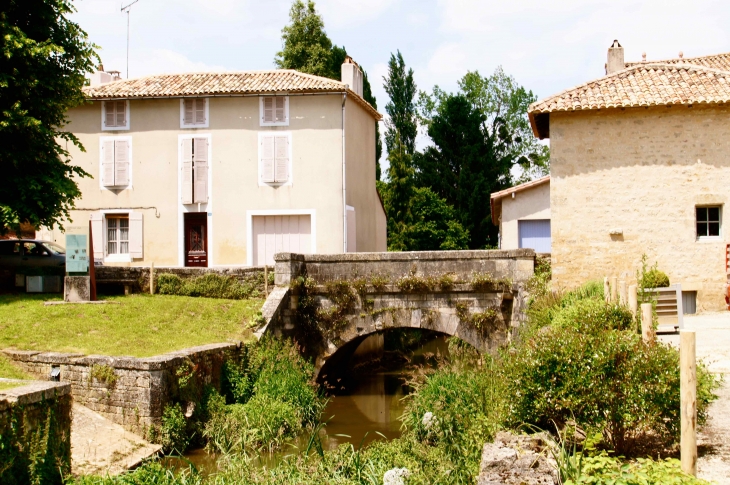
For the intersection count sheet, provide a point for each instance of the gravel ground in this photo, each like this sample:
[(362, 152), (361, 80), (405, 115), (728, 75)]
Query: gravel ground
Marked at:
[(713, 346)]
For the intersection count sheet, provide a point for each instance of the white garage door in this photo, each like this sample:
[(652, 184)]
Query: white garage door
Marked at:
[(535, 234), (280, 234)]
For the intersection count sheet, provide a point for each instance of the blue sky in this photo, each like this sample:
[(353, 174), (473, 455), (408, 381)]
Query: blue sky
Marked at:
[(548, 46)]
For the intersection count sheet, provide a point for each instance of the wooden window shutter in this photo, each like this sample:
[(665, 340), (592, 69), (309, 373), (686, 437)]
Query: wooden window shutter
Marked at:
[(121, 112), (109, 116), (282, 158), (136, 241), (189, 111), (268, 151), (97, 235), (268, 109), (186, 182), (121, 162), (107, 163), (280, 109), (200, 191), (199, 111)]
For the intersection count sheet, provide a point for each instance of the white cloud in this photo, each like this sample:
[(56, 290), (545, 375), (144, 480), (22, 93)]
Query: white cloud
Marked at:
[(338, 14)]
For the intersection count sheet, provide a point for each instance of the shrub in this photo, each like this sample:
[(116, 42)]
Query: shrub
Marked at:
[(209, 286), (609, 382), (607, 469), (593, 315), (651, 277), (173, 434)]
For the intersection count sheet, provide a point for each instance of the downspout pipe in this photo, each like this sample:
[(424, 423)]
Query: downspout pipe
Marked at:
[(344, 179)]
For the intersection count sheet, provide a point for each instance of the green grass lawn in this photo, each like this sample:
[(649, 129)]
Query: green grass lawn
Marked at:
[(135, 325), (4, 386), (9, 371)]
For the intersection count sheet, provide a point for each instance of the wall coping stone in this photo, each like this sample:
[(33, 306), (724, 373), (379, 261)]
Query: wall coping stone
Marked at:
[(32, 392), (410, 256)]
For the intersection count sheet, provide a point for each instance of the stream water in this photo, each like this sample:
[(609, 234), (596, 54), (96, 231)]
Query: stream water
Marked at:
[(364, 406)]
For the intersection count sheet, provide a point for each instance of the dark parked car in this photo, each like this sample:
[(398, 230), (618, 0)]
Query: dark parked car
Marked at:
[(29, 256)]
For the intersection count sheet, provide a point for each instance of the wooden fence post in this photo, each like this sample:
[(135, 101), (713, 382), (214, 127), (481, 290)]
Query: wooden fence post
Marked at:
[(688, 406), (614, 289), (647, 323), (152, 278), (623, 297), (606, 289), (633, 300)]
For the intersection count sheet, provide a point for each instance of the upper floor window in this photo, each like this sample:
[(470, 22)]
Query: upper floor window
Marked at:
[(116, 161), (194, 180), (194, 113), (274, 158), (115, 115), (708, 222), (274, 110)]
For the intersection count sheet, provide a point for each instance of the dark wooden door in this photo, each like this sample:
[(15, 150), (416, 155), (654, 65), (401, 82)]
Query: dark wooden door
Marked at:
[(196, 239)]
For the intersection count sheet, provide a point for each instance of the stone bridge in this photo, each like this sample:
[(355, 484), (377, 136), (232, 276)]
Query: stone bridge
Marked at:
[(330, 304)]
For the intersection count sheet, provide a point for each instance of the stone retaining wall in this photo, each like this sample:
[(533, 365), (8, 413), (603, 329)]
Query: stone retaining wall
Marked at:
[(25, 412), (129, 391), (139, 277)]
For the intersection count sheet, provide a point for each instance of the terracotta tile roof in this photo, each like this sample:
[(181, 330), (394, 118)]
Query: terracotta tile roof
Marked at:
[(717, 61), (643, 84), (496, 197), (221, 84)]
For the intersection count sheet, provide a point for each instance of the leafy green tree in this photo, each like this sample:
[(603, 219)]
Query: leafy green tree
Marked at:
[(401, 109), (434, 224), (44, 60), (397, 196)]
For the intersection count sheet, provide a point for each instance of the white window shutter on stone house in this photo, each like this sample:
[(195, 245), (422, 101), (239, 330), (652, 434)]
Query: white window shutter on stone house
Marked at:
[(282, 158), (107, 163), (121, 113), (280, 109), (268, 154), (268, 109), (121, 162), (201, 170), (109, 115), (186, 178), (136, 241), (97, 235), (189, 112), (200, 111)]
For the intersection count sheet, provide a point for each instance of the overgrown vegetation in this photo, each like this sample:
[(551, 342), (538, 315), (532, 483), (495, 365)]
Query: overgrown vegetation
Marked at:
[(212, 285), (103, 373)]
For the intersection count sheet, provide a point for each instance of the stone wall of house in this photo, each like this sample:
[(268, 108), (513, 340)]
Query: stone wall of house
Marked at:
[(627, 182), (138, 278), (132, 392), (34, 415)]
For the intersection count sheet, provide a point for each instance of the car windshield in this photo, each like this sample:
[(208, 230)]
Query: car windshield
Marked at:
[(55, 248)]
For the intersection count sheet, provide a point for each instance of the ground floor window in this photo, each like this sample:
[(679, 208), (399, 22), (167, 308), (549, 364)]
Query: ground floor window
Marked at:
[(708, 221), (117, 234)]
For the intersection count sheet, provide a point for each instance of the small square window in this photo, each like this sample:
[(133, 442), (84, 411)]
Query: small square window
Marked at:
[(194, 113), (115, 115), (708, 221), (274, 110)]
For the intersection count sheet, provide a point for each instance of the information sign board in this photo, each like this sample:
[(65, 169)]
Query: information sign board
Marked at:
[(77, 253)]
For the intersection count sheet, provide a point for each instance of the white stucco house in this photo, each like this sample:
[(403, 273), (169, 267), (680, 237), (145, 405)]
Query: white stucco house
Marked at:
[(522, 213)]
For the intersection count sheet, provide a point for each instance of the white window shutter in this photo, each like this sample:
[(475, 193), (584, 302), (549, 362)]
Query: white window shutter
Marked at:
[(268, 155), (201, 170), (199, 111), (268, 109), (280, 109), (121, 162), (189, 111), (136, 241), (109, 116), (186, 182), (282, 158), (121, 112), (97, 235), (107, 163)]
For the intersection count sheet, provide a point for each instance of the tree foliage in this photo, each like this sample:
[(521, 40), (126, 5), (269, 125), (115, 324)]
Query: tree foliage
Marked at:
[(401, 109), (44, 60)]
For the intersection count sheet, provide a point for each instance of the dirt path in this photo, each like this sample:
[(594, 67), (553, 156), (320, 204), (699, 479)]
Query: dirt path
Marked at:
[(713, 441)]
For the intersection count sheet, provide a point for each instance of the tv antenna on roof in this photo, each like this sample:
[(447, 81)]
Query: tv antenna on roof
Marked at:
[(127, 8)]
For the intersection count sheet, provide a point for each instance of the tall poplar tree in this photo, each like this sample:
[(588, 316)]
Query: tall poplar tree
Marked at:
[(401, 108)]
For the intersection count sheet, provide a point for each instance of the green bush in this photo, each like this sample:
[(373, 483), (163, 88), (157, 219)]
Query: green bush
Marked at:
[(544, 307), (593, 315), (209, 286), (602, 469), (173, 435), (655, 278)]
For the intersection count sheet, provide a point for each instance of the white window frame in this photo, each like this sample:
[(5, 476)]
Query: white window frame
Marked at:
[(274, 123), (183, 125), (114, 258), (102, 139), (115, 128), (250, 214), (289, 182), (719, 210)]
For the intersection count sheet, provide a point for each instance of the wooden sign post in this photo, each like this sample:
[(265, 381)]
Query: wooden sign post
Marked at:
[(688, 404)]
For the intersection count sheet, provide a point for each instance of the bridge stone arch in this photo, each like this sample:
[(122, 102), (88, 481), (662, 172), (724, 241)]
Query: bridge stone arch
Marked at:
[(326, 302)]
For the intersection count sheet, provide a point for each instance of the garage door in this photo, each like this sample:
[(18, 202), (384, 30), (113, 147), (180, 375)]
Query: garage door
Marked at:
[(280, 234), (535, 234)]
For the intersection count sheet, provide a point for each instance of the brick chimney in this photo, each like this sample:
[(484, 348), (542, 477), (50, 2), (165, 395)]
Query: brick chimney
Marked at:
[(352, 75), (615, 58)]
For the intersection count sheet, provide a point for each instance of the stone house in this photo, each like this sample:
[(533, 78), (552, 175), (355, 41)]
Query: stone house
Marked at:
[(228, 168), (522, 213), (640, 165)]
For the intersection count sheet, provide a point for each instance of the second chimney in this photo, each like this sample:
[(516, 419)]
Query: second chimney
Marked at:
[(615, 58), (352, 75)]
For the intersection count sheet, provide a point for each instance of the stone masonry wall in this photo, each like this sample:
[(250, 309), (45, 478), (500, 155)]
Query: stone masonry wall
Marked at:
[(139, 277), (141, 387), (626, 182)]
